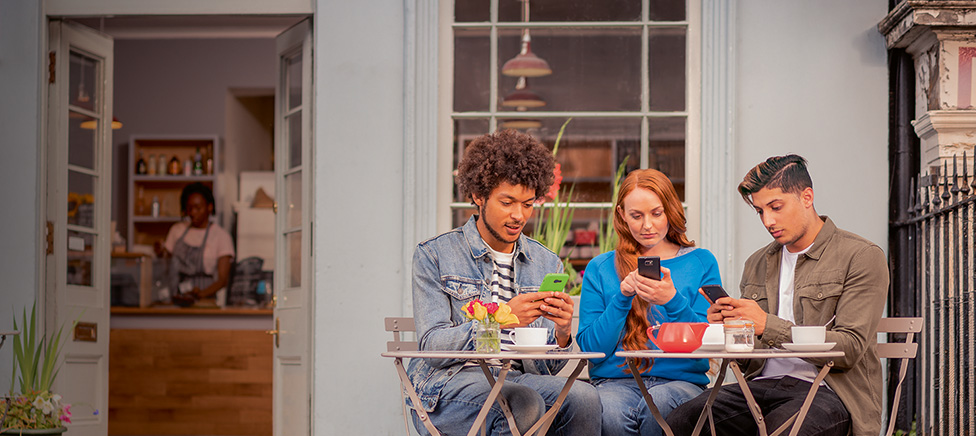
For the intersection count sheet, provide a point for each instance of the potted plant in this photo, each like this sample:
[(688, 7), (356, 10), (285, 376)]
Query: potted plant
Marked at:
[(34, 409)]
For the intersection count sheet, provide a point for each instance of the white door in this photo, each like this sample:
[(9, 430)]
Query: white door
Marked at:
[(79, 180), (293, 226)]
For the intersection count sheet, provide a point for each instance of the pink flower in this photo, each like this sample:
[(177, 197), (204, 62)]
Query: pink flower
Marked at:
[(492, 308), (66, 414), (554, 189)]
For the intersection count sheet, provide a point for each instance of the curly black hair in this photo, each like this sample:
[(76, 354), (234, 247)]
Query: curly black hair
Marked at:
[(505, 156), (195, 188)]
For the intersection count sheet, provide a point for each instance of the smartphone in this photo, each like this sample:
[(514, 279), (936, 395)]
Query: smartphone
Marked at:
[(649, 266), (554, 282), (714, 292)]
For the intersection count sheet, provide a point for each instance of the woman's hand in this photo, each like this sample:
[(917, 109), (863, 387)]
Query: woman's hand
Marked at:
[(653, 291)]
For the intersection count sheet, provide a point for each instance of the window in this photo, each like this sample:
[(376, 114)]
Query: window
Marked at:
[(620, 70)]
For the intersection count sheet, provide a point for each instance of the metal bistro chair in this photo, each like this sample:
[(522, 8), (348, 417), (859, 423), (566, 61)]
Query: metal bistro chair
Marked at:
[(898, 350), (399, 325)]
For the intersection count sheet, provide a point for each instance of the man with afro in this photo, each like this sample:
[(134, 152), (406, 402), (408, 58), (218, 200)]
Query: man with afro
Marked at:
[(488, 258)]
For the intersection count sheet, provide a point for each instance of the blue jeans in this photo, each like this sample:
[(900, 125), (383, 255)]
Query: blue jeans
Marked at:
[(624, 409), (528, 396)]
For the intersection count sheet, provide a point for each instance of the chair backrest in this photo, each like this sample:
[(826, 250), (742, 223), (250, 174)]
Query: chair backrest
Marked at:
[(397, 326), (898, 350)]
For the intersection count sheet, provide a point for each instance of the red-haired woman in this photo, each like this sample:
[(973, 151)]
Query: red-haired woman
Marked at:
[(618, 304)]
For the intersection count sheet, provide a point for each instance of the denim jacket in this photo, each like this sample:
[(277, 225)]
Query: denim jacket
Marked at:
[(450, 270)]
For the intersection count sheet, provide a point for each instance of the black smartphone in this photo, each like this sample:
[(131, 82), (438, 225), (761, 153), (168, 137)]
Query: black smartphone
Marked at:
[(649, 266), (714, 292)]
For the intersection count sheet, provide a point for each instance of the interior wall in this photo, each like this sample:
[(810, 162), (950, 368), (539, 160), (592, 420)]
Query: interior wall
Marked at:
[(250, 131), (21, 44), (179, 87), (812, 80)]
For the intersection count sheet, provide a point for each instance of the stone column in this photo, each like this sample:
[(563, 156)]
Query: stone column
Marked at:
[(941, 37)]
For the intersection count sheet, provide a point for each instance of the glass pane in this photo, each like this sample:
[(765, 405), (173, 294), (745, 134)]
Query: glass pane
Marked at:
[(467, 11), (81, 81), (294, 135), (293, 256), (666, 150), (471, 70), (593, 69), (667, 10), (293, 65), (81, 199), (466, 131), (666, 63), (293, 188), (81, 247), (571, 10), (81, 140)]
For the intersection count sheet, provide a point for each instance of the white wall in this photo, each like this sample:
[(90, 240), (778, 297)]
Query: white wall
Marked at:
[(20, 136), (359, 139), (812, 79)]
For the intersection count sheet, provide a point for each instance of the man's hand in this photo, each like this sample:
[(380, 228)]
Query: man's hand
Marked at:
[(558, 307), (731, 308), (526, 308)]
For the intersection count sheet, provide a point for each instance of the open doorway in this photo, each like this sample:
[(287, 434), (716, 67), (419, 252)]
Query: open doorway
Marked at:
[(191, 371)]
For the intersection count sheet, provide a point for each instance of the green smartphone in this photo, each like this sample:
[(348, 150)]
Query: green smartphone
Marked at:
[(554, 282)]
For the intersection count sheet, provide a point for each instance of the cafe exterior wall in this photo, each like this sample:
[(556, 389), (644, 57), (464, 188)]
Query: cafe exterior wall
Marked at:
[(811, 79)]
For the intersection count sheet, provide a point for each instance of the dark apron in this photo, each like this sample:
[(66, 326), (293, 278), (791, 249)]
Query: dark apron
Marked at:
[(187, 264)]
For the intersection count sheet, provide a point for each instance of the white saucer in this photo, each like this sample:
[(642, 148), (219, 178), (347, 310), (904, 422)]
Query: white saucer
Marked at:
[(532, 348), (826, 346), (718, 346)]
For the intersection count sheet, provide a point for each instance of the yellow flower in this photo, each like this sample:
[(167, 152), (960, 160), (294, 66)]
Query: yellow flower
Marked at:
[(480, 311), (504, 315)]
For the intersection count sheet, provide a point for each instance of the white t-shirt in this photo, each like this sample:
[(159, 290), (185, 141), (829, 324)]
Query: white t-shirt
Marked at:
[(788, 366), (219, 243)]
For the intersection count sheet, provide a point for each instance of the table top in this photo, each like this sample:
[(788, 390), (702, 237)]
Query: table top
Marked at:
[(759, 353), (504, 355)]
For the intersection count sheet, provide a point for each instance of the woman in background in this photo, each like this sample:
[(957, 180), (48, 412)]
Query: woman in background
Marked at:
[(200, 252), (617, 305)]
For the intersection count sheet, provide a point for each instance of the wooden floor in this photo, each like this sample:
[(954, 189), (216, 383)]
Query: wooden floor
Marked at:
[(190, 382)]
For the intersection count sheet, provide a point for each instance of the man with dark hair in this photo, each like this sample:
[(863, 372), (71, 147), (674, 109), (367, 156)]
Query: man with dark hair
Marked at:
[(811, 272), (488, 258)]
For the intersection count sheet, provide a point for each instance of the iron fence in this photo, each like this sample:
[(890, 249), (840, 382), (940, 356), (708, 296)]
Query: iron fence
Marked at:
[(940, 227)]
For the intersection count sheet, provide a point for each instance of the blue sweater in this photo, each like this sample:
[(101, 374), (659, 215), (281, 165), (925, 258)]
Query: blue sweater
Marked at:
[(603, 312)]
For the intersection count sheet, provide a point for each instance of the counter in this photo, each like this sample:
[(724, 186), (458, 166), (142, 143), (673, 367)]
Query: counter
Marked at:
[(190, 371)]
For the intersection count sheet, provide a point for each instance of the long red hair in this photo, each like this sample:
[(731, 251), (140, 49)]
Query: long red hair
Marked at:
[(635, 328)]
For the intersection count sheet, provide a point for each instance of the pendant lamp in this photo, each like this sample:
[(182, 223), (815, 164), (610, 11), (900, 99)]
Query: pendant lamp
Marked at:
[(523, 97), (526, 63)]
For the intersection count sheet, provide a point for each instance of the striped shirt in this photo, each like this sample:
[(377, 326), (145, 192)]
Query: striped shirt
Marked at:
[(502, 277)]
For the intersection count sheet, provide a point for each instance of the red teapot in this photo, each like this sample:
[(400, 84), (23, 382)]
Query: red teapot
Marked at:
[(678, 337)]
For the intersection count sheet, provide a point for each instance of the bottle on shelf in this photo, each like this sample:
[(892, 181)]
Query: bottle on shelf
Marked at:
[(151, 170), (174, 166), (161, 169), (197, 163), (155, 206), (187, 167), (141, 165), (209, 165), (141, 202)]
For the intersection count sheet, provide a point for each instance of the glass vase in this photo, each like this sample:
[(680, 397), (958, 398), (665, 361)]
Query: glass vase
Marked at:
[(487, 337)]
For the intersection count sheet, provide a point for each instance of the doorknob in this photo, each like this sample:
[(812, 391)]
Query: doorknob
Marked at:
[(275, 207), (276, 332)]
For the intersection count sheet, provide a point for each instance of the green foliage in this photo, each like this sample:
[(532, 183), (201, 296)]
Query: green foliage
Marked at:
[(607, 236), (912, 432), (35, 358)]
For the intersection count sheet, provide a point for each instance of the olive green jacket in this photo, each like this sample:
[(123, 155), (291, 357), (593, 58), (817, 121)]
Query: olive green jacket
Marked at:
[(842, 273)]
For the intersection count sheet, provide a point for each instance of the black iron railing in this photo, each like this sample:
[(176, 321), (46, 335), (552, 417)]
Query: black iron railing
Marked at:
[(940, 226)]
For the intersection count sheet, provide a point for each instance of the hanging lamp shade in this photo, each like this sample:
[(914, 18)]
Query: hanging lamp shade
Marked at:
[(521, 123), (92, 124), (526, 64), (523, 97)]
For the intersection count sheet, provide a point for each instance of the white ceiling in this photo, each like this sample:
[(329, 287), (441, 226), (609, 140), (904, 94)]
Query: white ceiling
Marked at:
[(191, 27)]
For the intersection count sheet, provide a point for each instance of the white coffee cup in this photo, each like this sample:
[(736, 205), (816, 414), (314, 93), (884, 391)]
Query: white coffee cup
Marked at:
[(809, 334), (529, 336)]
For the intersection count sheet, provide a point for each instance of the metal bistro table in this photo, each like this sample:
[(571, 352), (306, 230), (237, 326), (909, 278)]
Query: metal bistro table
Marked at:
[(728, 360), (506, 358)]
